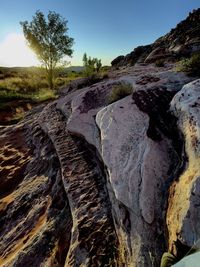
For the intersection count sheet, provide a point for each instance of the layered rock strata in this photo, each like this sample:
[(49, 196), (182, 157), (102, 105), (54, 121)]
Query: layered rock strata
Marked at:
[(88, 183)]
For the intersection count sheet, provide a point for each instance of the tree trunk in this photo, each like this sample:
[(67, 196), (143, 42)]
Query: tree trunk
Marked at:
[(50, 78)]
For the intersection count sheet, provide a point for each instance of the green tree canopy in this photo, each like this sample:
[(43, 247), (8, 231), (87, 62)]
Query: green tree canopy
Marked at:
[(49, 40), (91, 64)]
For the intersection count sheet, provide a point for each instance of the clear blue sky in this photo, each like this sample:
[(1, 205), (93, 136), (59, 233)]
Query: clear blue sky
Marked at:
[(103, 28)]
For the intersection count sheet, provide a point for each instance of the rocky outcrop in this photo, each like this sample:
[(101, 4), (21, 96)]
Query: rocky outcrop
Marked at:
[(54, 205), (80, 83), (182, 41), (117, 61), (160, 54), (88, 183), (183, 207), (35, 215), (137, 55)]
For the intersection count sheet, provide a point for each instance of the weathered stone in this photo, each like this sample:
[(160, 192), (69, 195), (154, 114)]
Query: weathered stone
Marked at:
[(184, 196), (158, 54), (138, 169), (117, 61)]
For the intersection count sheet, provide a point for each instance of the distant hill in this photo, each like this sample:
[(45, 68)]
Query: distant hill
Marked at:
[(75, 68)]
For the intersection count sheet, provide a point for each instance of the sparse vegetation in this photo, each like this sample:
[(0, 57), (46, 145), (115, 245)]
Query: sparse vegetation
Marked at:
[(120, 91), (191, 66), (20, 86), (27, 81), (92, 65)]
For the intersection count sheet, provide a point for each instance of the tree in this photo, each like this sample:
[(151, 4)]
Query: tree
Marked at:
[(98, 64), (49, 40), (85, 60), (91, 64)]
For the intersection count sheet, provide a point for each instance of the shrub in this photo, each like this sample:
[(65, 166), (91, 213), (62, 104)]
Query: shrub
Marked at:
[(191, 65), (160, 63), (120, 91)]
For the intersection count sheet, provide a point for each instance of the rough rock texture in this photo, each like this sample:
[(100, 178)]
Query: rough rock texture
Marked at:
[(139, 54), (159, 53), (54, 205), (181, 41), (35, 215), (184, 198), (85, 183)]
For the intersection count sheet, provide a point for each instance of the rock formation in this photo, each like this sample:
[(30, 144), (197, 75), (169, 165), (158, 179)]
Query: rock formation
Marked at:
[(89, 183), (181, 41)]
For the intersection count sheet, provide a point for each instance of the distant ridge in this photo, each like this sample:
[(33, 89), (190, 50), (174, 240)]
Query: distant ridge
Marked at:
[(182, 41)]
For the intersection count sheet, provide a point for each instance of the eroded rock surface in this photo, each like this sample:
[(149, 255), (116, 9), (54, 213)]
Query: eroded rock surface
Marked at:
[(184, 199), (88, 183)]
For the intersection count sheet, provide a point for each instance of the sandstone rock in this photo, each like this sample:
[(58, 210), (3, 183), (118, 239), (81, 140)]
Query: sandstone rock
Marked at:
[(137, 55), (79, 84), (184, 196), (136, 178), (85, 107), (54, 204), (159, 53), (84, 182), (35, 216), (117, 61)]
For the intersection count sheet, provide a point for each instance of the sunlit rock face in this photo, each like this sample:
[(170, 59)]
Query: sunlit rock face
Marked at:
[(35, 215), (55, 209), (88, 183), (184, 195)]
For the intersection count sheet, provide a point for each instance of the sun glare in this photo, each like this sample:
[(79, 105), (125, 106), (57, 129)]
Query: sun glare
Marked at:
[(15, 52)]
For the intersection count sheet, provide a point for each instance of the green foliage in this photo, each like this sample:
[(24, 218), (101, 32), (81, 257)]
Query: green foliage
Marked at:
[(120, 91), (91, 65), (191, 65), (40, 96), (23, 85), (48, 39), (30, 83)]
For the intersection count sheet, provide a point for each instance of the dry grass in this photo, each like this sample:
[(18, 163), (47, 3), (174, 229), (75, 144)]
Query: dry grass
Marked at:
[(120, 91)]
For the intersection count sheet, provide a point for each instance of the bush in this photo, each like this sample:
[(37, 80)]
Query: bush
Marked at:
[(120, 91), (191, 65), (160, 63)]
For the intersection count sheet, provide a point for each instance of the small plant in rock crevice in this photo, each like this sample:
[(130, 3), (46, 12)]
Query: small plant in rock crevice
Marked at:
[(160, 63), (190, 65), (120, 91)]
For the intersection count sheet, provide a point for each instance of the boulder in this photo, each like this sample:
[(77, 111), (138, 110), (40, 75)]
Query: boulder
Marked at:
[(159, 54), (138, 167), (117, 61)]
